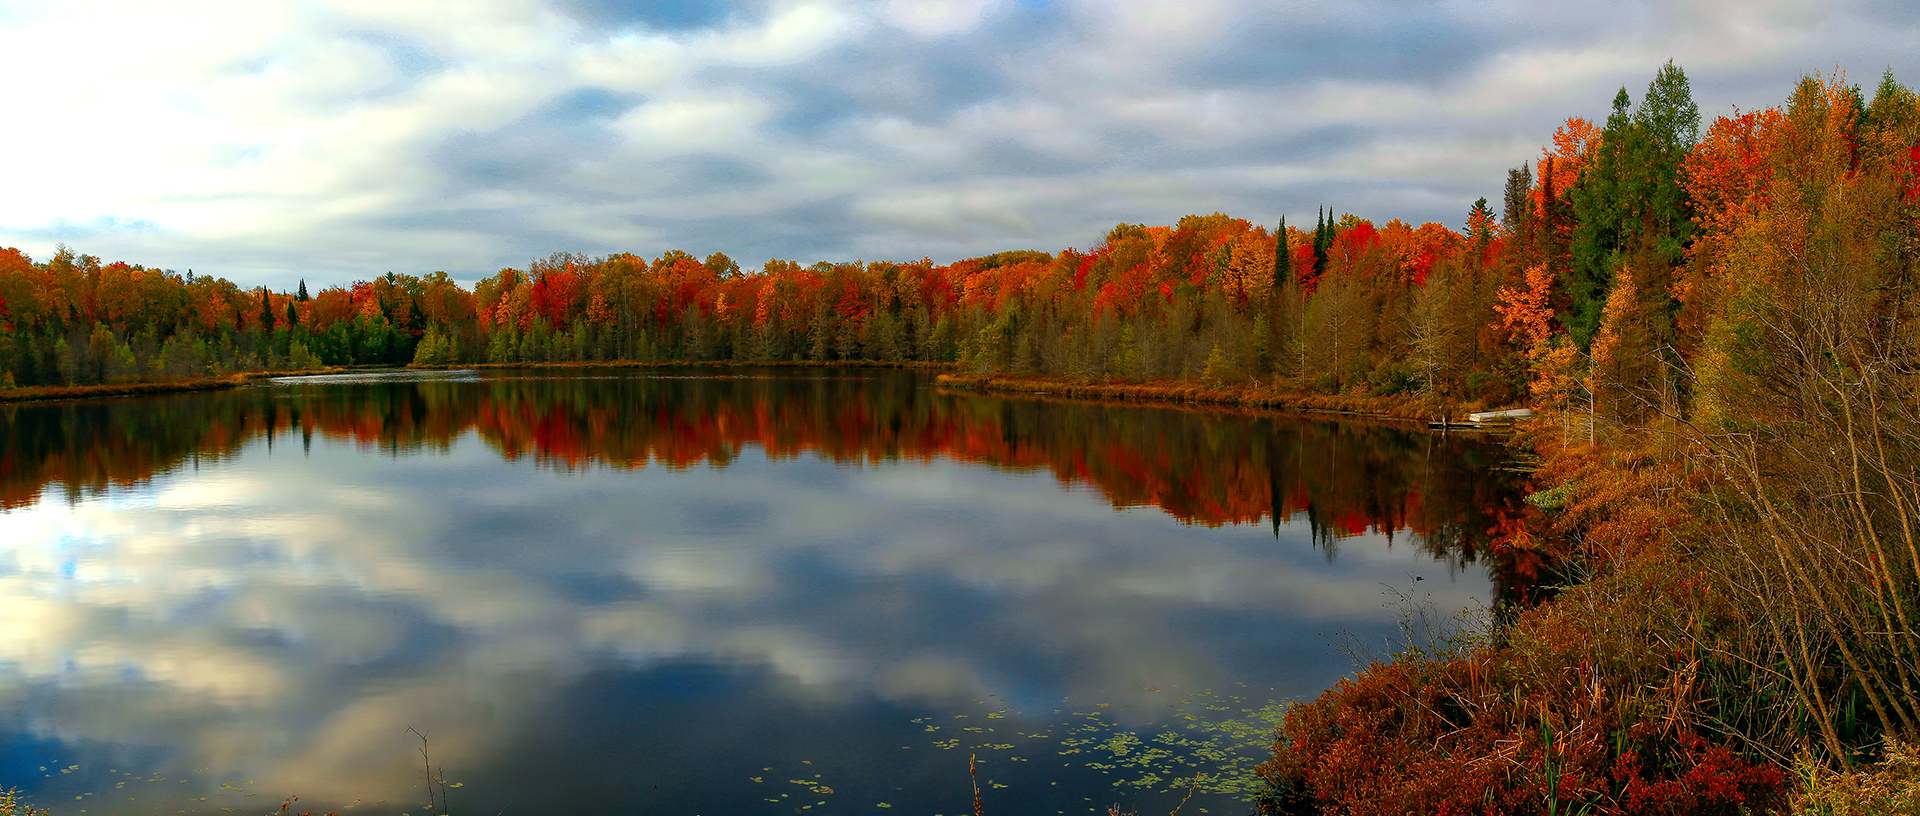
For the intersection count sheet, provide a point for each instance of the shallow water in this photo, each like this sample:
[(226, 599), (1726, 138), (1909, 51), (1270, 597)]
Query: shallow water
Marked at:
[(694, 592)]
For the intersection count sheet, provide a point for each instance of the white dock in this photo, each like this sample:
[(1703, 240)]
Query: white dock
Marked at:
[(1485, 420)]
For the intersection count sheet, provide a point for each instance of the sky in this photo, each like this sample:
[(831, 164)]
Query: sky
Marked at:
[(270, 142)]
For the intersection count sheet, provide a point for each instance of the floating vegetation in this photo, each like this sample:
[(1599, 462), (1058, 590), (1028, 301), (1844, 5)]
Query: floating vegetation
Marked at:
[(1202, 747)]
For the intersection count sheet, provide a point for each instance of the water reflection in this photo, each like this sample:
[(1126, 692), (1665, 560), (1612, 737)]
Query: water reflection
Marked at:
[(642, 590)]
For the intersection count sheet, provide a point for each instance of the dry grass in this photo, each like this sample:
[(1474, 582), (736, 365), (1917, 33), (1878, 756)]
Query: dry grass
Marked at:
[(42, 393), (1395, 407), (1890, 788), (927, 365)]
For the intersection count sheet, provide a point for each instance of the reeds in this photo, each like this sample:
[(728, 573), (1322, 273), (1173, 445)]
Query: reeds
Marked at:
[(1407, 407)]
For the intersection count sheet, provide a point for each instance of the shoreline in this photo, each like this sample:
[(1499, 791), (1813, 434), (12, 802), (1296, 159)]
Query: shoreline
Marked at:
[(61, 393), (929, 365), (1176, 393), (1190, 393), (57, 393)]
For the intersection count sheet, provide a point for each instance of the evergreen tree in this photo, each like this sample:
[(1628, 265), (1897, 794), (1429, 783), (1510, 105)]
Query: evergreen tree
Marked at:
[(1630, 201), (1598, 204), (1667, 124), (1893, 108), (301, 295), (1552, 231), (293, 316), (1322, 241), (1513, 214), (1480, 227), (266, 311), (1282, 259)]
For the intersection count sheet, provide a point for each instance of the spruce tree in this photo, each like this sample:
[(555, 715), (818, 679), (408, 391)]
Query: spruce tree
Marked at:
[(1322, 241), (1599, 205), (1480, 227), (266, 310), (1513, 215), (302, 295), (1282, 259), (1667, 124), (1629, 203), (1549, 231)]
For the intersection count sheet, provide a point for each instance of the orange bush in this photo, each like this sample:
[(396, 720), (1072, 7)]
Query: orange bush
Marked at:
[(1598, 702)]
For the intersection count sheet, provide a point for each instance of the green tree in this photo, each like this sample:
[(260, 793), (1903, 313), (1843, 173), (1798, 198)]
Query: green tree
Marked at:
[(1322, 241), (1513, 210), (1282, 260), (1630, 200), (1480, 227), (436, 349)]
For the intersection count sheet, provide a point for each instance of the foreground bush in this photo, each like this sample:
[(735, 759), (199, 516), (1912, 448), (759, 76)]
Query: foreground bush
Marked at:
[(1612, 698)]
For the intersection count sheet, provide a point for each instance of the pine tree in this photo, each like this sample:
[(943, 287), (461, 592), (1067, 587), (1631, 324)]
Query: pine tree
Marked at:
[(1282, 259), (1667, 124), (266, 310), (1599, 206), (293, 315), (302, 295), (1513, 214), (1629, 202), (1322, 241), (1480, 227)]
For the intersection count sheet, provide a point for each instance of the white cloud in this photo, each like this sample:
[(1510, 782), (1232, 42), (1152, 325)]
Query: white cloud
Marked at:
[(938, 18), (691, 124), (334, 139)]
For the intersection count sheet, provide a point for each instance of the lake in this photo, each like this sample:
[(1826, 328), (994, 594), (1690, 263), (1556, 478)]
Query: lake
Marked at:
[(696, 591)]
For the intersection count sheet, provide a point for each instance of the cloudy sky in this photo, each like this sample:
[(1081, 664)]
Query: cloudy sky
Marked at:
[(270, 141)]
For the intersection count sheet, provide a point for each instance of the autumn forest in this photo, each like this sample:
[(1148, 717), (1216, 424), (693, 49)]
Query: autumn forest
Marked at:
[(1609, 259)]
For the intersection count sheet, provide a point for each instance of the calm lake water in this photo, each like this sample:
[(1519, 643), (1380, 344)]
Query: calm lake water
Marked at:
[(694, 592)]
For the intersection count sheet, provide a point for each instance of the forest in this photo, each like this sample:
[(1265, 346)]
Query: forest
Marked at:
[(1716, 319), (1605, 265)]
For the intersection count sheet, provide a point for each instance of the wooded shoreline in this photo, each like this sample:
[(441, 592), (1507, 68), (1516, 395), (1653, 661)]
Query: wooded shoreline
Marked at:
[(55, 393), (1400, 407), (59, 393), (1197, 395)]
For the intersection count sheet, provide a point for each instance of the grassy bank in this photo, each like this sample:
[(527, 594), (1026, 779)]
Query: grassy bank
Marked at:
[(925, 365), (1683, 667), (1404, 407), (41, 393)]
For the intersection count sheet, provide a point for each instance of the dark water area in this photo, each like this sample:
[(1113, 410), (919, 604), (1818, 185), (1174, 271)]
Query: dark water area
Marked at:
[(688, 591)]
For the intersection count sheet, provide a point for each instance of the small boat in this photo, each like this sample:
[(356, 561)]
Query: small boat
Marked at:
[(1483, 420)]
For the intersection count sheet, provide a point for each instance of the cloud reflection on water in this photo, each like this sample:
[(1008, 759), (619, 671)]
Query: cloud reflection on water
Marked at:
[(282, 615)]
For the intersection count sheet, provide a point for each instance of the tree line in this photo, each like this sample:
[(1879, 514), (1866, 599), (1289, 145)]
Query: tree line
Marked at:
[(1613, 262)]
